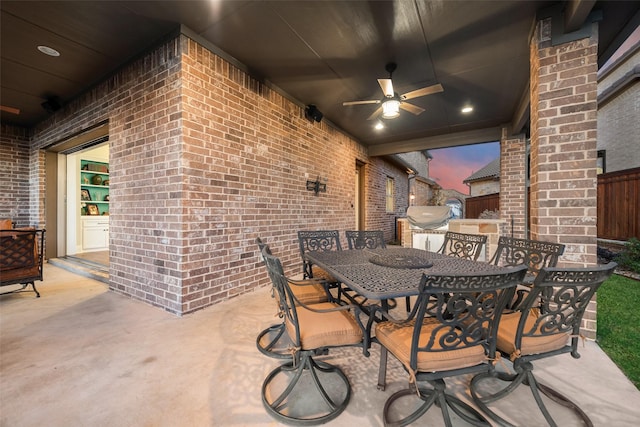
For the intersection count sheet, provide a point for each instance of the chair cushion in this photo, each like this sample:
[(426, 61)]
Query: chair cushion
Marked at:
[(397, 339), (530, 345), (328, 329), (319, 273), (310, 293), (6, 224)]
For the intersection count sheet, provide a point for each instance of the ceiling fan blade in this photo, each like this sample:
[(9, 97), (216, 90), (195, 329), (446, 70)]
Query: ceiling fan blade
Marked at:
[(422, 92), (372, 101), (375, 114), (411, 108), (9, 109), (387, 87)]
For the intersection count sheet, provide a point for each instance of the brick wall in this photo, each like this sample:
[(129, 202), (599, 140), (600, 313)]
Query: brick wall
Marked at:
[(15, 179), (513, 166), (248, 154), (377, 218), (563, 149), (423, 192), (203, 159)]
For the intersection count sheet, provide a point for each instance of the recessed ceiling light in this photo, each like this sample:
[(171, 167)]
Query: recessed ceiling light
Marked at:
[(379, 126), (467, 109), (48, 50)]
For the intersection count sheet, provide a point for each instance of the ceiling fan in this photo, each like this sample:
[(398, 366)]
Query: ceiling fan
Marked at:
[(392, 102), (9, 109)]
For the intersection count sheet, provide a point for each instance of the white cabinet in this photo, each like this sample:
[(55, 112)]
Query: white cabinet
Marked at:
[(431, 241), (95, 233)]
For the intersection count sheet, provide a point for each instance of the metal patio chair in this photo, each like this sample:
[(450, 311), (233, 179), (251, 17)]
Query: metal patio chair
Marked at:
[(319, 241), (535, 254), (461, 245), (313, 330), (365, 239), (546, 324), (272, 341), (450, 332)]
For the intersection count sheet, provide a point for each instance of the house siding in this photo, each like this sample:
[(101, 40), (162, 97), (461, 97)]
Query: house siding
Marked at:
[(480, 188), (619, 119)]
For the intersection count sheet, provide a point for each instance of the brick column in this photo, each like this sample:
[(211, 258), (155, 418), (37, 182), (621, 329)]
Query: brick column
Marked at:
[(563, 147), (513, 185)]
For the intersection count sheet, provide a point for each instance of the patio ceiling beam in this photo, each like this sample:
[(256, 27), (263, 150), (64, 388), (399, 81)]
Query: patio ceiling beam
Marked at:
[(575, 14), (521, 115), (442, 141)]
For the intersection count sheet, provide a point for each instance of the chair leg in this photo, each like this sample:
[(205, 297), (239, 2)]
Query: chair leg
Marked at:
[(269, 339), (33, 285), (382, 372), (429, 397), (284, 404), (23, 288), (525, 376)]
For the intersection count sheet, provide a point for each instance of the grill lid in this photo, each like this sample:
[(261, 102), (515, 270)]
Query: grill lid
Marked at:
[(428, 217)]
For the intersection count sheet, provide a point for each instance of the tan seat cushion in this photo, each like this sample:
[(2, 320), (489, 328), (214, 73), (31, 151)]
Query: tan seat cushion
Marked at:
[(397, 339), (6, 224), (309, 294), (319, 273), (530, 345), (325, 329)]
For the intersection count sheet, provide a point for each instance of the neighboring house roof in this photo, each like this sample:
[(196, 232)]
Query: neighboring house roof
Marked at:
[(428, 181), (490, 171), (402, 163)]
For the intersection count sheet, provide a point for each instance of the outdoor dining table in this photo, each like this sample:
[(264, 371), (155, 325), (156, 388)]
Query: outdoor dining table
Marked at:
[(393, 272)]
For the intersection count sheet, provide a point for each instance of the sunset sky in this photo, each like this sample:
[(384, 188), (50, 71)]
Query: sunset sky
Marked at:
[(450, 166)]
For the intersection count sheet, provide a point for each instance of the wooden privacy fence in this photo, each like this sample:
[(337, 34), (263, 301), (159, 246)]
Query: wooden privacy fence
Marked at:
[(474, 206), (618, 205)]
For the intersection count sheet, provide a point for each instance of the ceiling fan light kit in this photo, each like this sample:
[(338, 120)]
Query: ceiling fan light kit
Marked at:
[(392, 103), (390, 109)]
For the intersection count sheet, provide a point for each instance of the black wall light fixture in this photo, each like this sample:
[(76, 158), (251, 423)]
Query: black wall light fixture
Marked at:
[(316, 186), (312, 113)]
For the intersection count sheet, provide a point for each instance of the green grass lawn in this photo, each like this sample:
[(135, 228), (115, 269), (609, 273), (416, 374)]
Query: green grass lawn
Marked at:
[(619, 324)]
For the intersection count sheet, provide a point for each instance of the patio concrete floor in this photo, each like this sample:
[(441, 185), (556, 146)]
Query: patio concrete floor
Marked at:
[(82, 355)]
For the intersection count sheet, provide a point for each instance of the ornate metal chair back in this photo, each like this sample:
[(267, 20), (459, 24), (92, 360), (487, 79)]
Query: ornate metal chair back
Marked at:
[(557, 301), (551, 313), (283, 295), (467, 246), (317, 241), (465, 308), (365, 239), (453, 333), (534, 254)]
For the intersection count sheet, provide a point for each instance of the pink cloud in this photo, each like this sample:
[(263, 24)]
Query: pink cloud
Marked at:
[(450, 166)]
